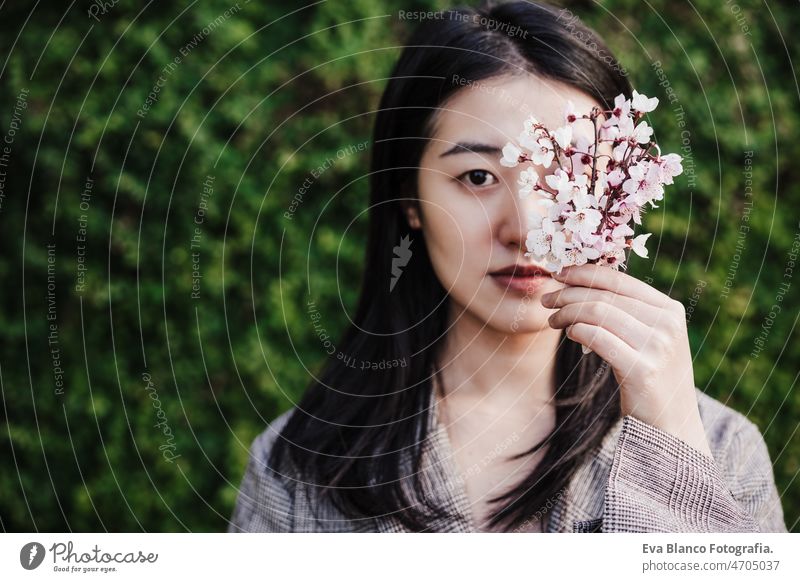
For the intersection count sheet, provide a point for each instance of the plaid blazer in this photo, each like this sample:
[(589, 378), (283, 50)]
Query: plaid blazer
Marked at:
[(642, 479)]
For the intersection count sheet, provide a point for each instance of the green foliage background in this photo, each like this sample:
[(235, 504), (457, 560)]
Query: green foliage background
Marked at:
[(262, 100)]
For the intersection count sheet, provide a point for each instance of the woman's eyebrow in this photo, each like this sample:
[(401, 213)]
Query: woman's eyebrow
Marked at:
[(464, 147)]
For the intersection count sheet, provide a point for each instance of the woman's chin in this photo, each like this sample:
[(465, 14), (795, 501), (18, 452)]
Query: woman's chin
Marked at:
[(518, 328), (527, 323)]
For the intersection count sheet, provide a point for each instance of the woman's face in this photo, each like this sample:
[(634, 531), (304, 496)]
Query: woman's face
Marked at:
[(474, 222)]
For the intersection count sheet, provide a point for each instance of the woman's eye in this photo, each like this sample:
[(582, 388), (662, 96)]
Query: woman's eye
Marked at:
[(478, 178)]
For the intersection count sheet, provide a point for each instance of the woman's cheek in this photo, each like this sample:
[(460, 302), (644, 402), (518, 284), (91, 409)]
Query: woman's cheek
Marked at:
[(457, 255)]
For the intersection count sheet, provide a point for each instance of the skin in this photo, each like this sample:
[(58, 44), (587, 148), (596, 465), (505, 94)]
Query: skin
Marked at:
[(498, 362)]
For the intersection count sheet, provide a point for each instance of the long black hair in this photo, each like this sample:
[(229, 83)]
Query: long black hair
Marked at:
[(354, 427)]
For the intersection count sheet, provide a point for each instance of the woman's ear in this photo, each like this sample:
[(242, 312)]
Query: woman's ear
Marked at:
[(411, 211)]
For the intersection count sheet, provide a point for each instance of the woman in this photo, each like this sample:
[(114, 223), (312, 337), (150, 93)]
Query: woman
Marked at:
[(459, 398)]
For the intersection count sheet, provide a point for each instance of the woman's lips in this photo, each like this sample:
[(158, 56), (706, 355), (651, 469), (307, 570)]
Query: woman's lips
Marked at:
[(524, 285)]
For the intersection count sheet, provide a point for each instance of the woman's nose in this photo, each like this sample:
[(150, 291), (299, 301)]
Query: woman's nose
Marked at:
[(517, 214)]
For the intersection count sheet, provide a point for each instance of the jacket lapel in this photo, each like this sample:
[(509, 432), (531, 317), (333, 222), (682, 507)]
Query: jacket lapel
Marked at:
[(579, 509)]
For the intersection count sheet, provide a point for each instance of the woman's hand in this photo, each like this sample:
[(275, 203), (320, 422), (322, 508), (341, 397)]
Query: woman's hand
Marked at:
[(642, 334)]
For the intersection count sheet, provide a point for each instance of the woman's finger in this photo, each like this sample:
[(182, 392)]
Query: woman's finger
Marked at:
[(644, 312), (611, 318), (620, 356), (600, 277)]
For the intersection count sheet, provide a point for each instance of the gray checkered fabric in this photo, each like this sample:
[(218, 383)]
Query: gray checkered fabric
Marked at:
[(642, 479)]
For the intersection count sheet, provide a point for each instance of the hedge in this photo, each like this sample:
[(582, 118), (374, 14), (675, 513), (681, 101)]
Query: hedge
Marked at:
[(179, 180)]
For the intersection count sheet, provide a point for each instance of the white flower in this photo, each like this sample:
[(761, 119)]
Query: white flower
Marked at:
[(637, 245), (642, 103), (622, 231), (527, 140), (543, 153), (578, 255), (584, 200), (511, 154), (670, 167), (642, 133), (636, 175), (604, 245), (529, 125), (542, 241), (559, 182), (576, 191), (580, 183), (572, 225), (583, 148), (591, 240), (628, 209), (622, 109), (527, 179), (534, 220), (608, 130), (615, 177), (620, 150), (570, 115), (600, 185), (613, 258), (654, 189), (567, 190), (555, 210), (531, 133), (625, 128), (563, 136), (553, 263), (644, 184), (584, 221)]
